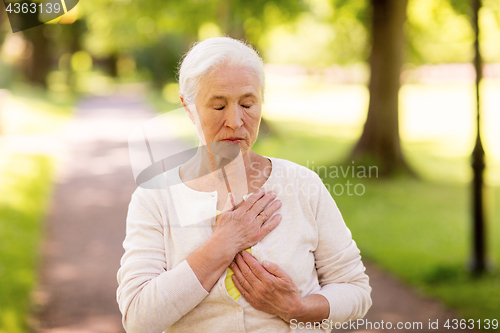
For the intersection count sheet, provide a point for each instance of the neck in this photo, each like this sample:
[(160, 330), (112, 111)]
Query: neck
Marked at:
[(241, 173), (210, 158)]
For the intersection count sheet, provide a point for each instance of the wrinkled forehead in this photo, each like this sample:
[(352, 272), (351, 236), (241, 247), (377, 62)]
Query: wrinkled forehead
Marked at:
[(229, 82)]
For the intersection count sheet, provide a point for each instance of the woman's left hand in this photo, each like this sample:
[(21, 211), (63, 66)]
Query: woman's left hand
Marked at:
[(267, 288)]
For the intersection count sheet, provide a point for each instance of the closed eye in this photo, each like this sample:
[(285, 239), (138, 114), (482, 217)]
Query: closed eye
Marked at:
[(247, 106), (220, 108)]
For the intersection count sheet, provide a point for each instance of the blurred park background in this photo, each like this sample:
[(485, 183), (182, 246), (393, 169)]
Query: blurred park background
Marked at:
[(414, 218)]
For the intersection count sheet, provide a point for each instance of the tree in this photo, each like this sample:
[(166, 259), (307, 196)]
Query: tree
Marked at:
[(3, 16), (115, 28), (38, 65), (380, 142)]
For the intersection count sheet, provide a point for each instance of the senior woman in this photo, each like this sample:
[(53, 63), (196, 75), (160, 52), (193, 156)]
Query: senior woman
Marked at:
[(241, 244)]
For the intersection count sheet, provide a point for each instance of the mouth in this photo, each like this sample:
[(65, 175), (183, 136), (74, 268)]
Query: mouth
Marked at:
[(235, 140)]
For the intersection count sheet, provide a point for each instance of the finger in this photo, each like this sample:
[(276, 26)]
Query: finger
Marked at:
[(243, 273), (257, 269), (237, 272), (269, 226), (274, 269), (241, 264), (270, 210), (262, 203), (240, 288), (246, 272), (257, 194)]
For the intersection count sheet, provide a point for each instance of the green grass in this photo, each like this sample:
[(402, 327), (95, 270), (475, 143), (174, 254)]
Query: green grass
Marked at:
[(25, 186), (25, 183), (416, 229)]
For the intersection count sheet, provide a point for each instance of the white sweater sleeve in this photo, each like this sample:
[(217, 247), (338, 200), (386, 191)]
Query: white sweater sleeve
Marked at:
[(338, 263), (152, 298)]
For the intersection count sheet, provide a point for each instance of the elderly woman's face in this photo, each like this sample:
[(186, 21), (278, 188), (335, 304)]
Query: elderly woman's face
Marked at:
[(229, 106)]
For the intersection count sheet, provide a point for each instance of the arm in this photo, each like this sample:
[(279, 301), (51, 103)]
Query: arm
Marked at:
[(235, 230), (338, 263), (151, 298)]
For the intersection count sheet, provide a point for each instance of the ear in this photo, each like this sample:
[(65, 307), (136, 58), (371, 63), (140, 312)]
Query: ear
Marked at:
[(186, 108)]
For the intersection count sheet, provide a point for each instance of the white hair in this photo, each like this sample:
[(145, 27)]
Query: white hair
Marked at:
[(206, 55)]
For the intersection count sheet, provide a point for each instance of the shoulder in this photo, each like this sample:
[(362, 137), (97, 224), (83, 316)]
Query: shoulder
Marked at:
[(298, 181), (301, 182), (155, 191), (288, 170)]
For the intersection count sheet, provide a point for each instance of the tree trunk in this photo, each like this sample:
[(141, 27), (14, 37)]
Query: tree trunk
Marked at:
[(380, 143), (38, 65), (112, 64), (3, 16)]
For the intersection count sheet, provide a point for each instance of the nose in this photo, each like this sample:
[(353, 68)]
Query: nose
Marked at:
[(233, 117)]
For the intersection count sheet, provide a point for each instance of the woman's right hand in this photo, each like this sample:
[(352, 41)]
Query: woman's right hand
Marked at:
[(248, 224)]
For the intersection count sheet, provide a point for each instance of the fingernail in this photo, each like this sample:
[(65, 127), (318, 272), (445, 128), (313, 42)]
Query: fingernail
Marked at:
[(265, 263), (273, 193), (231, 264)]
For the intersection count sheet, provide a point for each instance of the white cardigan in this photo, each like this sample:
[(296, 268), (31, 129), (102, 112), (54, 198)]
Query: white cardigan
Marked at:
[(158, 291)]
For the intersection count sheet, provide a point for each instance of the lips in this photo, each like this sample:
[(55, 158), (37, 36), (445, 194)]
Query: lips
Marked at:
[(233, 139)]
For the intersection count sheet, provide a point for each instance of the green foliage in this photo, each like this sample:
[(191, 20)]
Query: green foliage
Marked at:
[(438, 33), (162, 58), (158, 33), (317, 33), (490, 30), (328, 33), (25, 183), (461, 7), (313, 33), (116, 27), (358, 9)]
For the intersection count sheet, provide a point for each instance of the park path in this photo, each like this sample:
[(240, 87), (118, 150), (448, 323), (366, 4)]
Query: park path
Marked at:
[(86, 222), (86, 227)]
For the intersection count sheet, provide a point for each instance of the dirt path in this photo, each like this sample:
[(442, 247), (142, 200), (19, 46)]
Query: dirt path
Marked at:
[(86, 224), (86, 227)]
